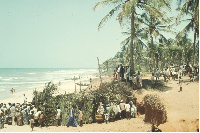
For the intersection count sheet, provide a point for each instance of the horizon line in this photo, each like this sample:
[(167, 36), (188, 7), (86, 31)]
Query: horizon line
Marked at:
[(45, 68)]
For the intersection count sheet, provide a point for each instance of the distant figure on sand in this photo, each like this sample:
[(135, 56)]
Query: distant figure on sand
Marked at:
[(165, 75), (25, 99), (139, 80), (180, 83), (12, 90), (157, 74), (71, 119)]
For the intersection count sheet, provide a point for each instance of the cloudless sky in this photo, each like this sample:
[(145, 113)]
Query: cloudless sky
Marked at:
[(55, 34)]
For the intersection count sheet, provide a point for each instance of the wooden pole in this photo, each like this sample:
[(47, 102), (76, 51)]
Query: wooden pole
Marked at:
[(126, 73), (35, 97), (99, 71), (75, 88), (80, 86), (126, 76)]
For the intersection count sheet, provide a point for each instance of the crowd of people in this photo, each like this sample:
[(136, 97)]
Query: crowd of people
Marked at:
[(114, 111), (20, 114), (124, 73), (176, 72), (27, 114)]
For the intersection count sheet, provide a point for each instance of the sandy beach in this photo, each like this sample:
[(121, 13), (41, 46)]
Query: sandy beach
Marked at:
[(182, 112), (64, 87)]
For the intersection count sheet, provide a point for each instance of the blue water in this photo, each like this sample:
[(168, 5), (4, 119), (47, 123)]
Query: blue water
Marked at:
[(22, 79)]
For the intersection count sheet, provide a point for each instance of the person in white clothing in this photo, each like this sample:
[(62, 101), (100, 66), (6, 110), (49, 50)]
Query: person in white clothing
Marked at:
[(58, 116), (36, 117), (34, 110), (25, 99), (128, 108), (13, 113)]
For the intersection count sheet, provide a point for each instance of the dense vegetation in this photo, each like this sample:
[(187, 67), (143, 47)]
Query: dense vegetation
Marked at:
[(145, 23)]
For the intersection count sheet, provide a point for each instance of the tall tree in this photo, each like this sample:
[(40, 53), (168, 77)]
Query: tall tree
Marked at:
[(127, 10), (153, 28), (191, 8)]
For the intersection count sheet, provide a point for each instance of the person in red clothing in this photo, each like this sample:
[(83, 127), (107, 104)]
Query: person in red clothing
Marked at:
[(41, 119)]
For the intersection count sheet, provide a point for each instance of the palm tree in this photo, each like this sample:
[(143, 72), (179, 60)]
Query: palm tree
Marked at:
[(139, 44), (153, 28), (186, 44), (127, 10), (190, 7)]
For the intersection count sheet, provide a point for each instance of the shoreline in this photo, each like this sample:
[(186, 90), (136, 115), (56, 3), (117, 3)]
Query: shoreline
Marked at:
[(65, 87)]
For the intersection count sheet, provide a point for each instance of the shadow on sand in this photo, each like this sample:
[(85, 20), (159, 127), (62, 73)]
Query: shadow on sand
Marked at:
[(158, 85)]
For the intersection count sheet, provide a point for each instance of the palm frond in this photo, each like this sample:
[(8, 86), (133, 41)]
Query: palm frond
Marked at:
[(185, 9), (126, 41), (156, 13), (110, 14), (106, 2), (126, 33), (185, 29)]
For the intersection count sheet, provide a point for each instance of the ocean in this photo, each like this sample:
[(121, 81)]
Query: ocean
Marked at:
[(22, 79)]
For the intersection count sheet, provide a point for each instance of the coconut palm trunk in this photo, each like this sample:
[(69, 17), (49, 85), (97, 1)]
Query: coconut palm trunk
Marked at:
[(193, 58), (132, 40), (152, 54)]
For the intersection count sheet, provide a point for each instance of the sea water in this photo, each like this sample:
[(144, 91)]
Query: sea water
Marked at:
[(22, 79)]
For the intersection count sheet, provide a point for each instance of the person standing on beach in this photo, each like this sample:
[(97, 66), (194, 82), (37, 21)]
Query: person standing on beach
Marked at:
[(36, 117), (34, 110), (25, 116), (106, 116), (12, 90), (2, 119), (128, 109), (121, 72), (118, 72), (41, 119), (25, 99), (32, 120), (157, 74), (71, 119), (165, 75), (152, 79), (80, 118), (114, 75), (13, 113), (58, 116), (180, 83), (122, 108)]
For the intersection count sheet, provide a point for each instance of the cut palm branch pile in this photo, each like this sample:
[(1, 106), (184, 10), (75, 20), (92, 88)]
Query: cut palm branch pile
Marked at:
[(87, 101), (155, 111)]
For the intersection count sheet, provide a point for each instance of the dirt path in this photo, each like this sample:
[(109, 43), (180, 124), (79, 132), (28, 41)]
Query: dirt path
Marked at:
[(182, 107)]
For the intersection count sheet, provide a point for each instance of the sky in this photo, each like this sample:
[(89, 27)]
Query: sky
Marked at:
[(56, 34)]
